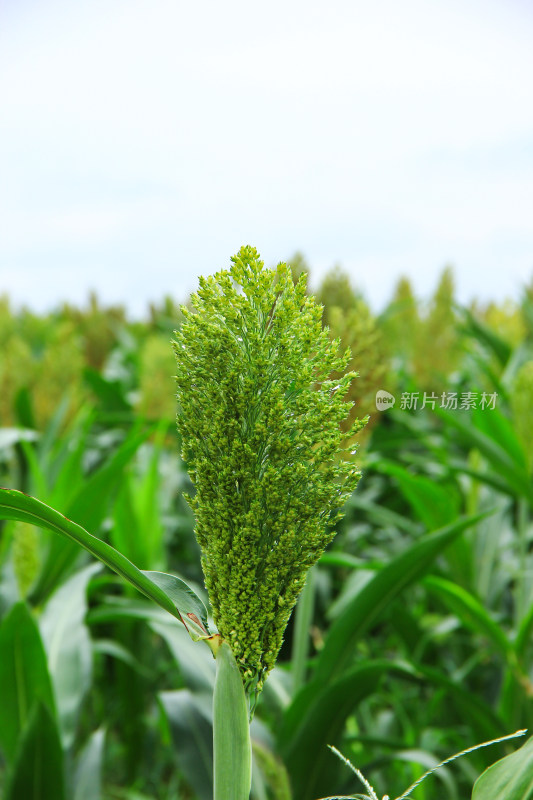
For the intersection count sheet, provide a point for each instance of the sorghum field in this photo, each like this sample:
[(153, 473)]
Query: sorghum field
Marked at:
[(412, 639)]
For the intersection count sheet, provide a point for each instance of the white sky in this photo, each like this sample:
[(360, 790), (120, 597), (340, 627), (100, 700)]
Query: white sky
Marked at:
[(142, 142)]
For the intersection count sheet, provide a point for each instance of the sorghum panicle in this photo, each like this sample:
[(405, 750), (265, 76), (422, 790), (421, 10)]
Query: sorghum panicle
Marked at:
[(260, 419)]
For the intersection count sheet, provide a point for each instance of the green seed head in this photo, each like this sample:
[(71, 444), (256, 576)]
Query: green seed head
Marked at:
[(260, 419)]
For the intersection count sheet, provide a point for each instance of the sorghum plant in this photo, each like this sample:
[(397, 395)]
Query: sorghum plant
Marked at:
[(262, 395), (261, 414)]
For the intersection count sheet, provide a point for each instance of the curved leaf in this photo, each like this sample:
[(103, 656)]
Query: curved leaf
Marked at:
[(481, 718), (501, 459), (24, 675), (166, 590), (190, 725), (232, 749), (511, 778), (366, 607), (523, 637), (38, 770), (193, 613), (317, 718), (433, 504), (68, 647), (87, 504), (88, 777), (196, 664), (469, 610)]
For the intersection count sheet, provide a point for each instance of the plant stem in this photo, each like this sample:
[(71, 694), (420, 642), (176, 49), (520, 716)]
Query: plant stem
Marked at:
[(232, 750)]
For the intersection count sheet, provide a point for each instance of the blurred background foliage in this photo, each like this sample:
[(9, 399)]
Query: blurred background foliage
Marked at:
[(413, 636)]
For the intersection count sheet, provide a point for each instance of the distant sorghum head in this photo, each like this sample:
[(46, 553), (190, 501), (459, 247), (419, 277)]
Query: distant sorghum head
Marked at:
[(260, 420)]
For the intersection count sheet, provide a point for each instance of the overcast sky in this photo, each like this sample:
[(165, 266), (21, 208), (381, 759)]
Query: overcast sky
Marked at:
[(143, 142)]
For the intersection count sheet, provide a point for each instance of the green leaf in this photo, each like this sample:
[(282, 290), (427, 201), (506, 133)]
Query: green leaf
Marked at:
[(120, 609), (431, 763), (190, 724), (523, 637), (110, 393), (511, 778), (88, 507), (166, 590), (9, 590), (88, 776), (500, 430), (232, 751), (64, 467), (484, 476), (432, 503), (486, 336), (124, 534), (147, 498), (303, 619), (483, 721), (196, 664), (317, 717), (351, 587), (193, 613), (24, 677), (113, 649), (69, 649), (469, 610), (38, 770), (367, 607), (23, 408), (337, 558), (137, 527), (379, 514), (506, 463)]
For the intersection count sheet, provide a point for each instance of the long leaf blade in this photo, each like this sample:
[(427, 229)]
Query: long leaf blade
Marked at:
[(191, 730), (88, 778), (68, 646), (38, 770), (469, 609), (18, 506), (232, 752), (317, 718), (366, 607), (193, 613), (24, 677), (511, 778)]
